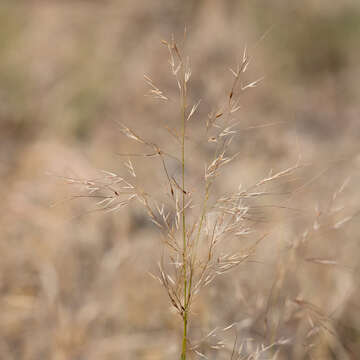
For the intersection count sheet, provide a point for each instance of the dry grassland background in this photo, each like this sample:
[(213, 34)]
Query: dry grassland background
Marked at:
[(75, 284)]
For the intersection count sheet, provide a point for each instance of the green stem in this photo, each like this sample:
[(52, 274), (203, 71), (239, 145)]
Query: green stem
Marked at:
[(185, 304), (184, 341)]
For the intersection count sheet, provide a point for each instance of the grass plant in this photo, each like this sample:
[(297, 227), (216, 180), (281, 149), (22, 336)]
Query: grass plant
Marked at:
[(204, 235)]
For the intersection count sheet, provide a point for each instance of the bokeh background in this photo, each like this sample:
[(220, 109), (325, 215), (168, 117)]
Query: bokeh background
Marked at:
[(75, 284)]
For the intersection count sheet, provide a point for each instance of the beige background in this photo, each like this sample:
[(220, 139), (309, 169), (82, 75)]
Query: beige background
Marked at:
[(76, 285)]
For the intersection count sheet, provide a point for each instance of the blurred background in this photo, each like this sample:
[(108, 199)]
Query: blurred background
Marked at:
[(75, 284)]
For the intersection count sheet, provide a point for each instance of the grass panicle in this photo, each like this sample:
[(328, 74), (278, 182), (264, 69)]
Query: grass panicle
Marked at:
[(197, 226)]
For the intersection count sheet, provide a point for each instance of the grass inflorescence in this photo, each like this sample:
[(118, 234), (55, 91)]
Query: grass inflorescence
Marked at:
[(201, 231)]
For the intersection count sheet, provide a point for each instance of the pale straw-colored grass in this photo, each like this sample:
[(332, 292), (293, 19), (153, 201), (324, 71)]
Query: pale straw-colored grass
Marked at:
[(197, 228)]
